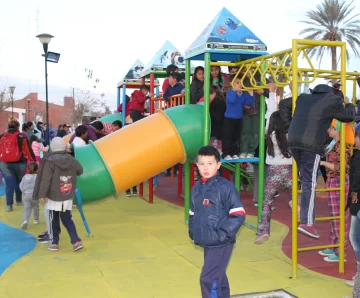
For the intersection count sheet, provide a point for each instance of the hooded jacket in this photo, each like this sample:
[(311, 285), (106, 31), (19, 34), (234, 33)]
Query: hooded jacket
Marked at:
[(216, 212), (354, 184), (313, 116), (56, 179), (138, 101), (27, 185)]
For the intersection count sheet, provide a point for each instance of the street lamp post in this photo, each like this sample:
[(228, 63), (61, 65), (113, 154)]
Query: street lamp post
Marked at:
[(12, 89), (45, 40), (29, 116)]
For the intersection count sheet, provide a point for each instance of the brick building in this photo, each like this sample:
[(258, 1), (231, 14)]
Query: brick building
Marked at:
[(36, 110)]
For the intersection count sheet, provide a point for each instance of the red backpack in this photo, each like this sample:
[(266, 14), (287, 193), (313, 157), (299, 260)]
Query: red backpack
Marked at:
[(9, 147)]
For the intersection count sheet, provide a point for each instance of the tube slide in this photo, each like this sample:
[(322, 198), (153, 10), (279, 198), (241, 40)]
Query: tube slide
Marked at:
[(139, 151)]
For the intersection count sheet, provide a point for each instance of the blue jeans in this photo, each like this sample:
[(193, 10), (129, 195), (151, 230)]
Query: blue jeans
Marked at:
[(13, 173), (355, 236)]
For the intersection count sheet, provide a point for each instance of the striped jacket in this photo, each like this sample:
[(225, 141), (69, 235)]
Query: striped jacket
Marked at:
[(216, 212)]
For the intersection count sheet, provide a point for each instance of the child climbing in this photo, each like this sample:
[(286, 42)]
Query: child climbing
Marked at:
[(332, 165), (278, 172)]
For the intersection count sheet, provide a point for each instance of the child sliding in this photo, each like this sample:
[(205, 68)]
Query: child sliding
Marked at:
[(278, 172)]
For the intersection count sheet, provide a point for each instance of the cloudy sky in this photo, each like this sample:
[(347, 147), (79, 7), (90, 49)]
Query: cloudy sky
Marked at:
[(108, 36)]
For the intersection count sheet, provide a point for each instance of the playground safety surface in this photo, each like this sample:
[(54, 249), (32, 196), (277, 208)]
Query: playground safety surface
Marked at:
[(143, 250)]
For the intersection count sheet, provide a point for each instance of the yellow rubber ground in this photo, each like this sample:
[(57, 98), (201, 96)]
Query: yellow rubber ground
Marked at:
[(143, 251)]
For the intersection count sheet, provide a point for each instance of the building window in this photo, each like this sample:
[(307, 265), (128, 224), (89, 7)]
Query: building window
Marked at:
[(38, 117)]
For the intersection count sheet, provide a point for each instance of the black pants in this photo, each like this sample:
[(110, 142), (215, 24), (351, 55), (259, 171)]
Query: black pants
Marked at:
[(231, 136), (136, 115), (308, 165), (66, 219), (323, 170), (213, 279)]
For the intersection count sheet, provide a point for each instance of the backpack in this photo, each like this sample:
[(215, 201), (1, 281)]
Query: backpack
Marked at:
[(9, 147)]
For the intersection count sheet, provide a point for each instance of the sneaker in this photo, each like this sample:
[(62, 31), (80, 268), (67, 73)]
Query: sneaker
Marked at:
[(45, 239), (276, 195), (308, 230), (53, 247), (135, 193), (9, 208), (256, 205), (77, 246), (350, 283), (250, 155), (262, 238), (243, 155), (36, 222), (332, 259), (235, 156), (19, 203), (326, 252), (228, 157), (24, 225), (45, 234), (128, 193)]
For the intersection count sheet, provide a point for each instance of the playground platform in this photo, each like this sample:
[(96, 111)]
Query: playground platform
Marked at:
[(143, 250)]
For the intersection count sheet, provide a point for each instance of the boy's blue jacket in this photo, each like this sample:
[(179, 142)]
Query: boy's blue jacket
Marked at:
[(235, 104), (216, 213)]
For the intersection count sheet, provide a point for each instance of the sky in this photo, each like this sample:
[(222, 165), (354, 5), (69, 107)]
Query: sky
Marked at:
[(108, 36)]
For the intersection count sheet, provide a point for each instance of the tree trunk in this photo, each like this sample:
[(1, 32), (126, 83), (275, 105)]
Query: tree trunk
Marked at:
[(333, 61)]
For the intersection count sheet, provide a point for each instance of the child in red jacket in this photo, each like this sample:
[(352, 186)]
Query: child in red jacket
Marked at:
[(127, 107), (138, 99)]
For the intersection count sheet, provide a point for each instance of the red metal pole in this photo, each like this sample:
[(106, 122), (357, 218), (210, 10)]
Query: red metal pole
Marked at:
[(143, 80), (141, 191), (192, 170), (151, 190), (152, 87), (180, 180)]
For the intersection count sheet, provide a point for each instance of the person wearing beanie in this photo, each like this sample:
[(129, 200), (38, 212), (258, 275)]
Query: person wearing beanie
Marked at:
[(332, 165), (56, 181)]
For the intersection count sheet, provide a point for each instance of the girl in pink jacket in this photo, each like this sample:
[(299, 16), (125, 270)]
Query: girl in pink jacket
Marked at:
[(37, 147)]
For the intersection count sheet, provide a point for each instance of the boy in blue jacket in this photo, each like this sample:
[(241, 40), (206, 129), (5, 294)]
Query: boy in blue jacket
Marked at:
[(235, 102), (215, 216)]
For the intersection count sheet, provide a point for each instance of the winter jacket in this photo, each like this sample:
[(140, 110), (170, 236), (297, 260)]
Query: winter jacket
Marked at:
[(127, 110), (216, 212), (173, 90), (138, 101), (313, 116), (354, 183), (37, 147), (255, 109), (196, 91), (217, 110), (24, 146), (56, 179), (27, 185), (236, 102)]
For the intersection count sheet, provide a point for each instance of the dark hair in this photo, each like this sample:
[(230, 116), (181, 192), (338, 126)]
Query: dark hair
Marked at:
[(176, 76), (60, 127), (33, 167), (26, 125), (209, 151), (196, 71), (13, 124), (171, 69), (231, 67), (33, 138), (117, 123), (276, 125), (97, 125), (217, 90), (144, 87), (80, 130), (219, 76)]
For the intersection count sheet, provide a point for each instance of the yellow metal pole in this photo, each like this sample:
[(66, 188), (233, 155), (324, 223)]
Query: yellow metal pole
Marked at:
[(342, 168), (354, 92), (294, 236)]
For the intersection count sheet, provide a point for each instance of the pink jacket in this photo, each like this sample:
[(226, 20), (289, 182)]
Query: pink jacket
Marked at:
[(37, 147)]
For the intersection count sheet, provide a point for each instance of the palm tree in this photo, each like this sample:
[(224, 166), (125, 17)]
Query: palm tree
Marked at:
[(332, 20)]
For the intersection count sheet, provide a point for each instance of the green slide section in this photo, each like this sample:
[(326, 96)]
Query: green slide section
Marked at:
[(188, 121), (95, 183)]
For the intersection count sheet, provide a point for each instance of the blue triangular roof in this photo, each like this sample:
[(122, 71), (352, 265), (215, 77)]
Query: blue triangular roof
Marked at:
[(226, 38), (133, 75), (168, 54)]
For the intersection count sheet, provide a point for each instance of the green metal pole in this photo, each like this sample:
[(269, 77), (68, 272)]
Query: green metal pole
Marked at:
[(261, 151), (237, 176), (187, 163), (206, 99)]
